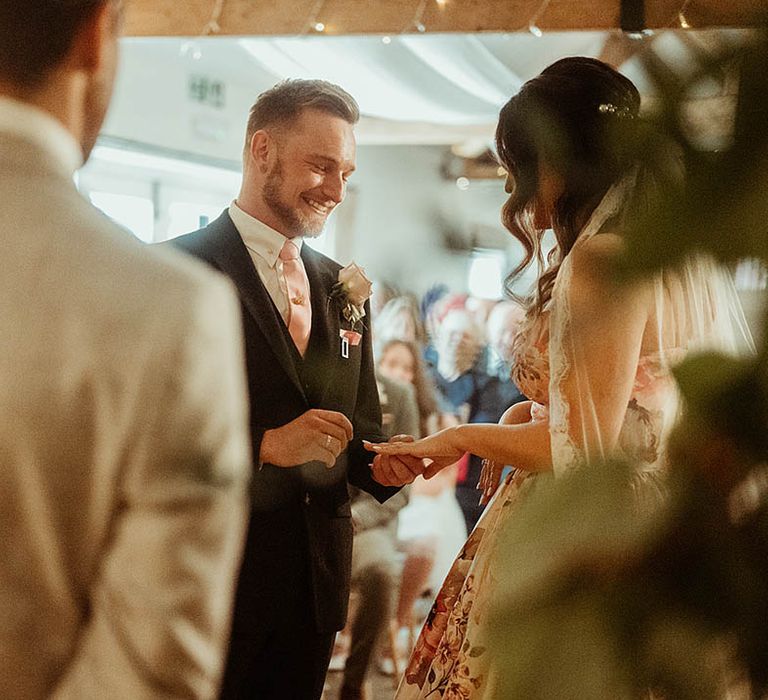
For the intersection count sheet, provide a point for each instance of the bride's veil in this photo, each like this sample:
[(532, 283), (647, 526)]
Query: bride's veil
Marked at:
[(612, 347)]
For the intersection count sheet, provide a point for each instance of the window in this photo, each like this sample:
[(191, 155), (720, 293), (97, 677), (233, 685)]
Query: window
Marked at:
[(190, 216), (486, 274), (750, 275), (136, 214)]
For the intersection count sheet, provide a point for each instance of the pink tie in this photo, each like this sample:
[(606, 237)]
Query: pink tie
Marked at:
[(299, 307)]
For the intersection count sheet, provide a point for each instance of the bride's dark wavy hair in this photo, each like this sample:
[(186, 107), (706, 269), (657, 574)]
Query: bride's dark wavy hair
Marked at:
[(580, 117)]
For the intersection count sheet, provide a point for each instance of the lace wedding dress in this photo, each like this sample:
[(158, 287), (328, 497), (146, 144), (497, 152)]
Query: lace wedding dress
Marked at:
[(597, 368)]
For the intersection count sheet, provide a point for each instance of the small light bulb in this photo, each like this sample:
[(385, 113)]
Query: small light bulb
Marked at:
[(533, 29), (684, 23), (441, 3), (420, 28), (462, 183), (386, 40), (319, 27)]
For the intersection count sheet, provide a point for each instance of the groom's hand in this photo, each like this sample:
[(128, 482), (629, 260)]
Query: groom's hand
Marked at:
[(397, 470), (315, 436)]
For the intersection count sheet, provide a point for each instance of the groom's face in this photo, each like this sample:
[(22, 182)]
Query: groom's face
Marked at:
[(313, 158)]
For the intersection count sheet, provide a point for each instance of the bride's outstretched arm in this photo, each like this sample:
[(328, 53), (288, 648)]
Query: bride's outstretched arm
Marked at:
[(524, 445)]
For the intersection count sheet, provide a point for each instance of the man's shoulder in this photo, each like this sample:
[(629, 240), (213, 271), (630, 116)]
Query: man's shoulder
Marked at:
[(124, 273), (202, 241)]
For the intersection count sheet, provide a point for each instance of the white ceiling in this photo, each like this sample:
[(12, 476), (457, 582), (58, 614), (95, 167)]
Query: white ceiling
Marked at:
[(425, 89)]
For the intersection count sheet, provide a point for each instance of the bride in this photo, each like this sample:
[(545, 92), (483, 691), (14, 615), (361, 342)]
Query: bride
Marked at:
[(594, 357)]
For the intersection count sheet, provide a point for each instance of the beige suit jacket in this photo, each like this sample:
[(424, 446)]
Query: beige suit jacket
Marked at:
[(124, 456)]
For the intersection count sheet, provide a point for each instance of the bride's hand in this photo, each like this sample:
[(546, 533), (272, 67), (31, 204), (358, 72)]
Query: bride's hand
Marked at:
[(490, 478), (440, 449)]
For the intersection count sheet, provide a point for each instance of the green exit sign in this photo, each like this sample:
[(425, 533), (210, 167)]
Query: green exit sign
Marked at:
[(207, 91)]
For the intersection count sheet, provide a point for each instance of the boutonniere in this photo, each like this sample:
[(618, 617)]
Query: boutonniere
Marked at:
[(350, 292)]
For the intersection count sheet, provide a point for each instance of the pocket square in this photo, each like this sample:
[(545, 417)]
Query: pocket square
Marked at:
[(352, 337)]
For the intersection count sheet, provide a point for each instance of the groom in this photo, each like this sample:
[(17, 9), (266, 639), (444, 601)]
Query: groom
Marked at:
[(313, 395)]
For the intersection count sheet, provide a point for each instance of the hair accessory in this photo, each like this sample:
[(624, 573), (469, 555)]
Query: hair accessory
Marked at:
[(621, 112)]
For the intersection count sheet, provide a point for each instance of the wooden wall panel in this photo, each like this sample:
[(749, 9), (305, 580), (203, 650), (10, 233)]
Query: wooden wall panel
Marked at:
[(291, 17)]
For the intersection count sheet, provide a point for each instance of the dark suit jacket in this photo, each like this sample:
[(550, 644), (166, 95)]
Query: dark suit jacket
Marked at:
[(300, 516)]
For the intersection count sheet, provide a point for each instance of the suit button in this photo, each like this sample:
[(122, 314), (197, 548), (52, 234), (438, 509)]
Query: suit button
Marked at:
[(306, 498)]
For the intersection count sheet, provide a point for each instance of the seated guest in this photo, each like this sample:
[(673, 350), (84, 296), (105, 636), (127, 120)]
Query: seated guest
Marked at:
[(499, 391), (375, 560), (431, 527), (401, 361), (399, 319), (474, 380)]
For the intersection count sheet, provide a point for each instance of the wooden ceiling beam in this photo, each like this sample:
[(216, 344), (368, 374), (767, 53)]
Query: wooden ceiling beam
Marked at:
[(295, 17)]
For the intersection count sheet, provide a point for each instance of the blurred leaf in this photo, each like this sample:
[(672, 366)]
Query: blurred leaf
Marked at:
[(724, 207), (706, 377), (730, 395), (561, 648)]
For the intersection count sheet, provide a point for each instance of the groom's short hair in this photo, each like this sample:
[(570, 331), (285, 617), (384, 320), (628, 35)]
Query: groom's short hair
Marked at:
[(36, 35), (283, 103)]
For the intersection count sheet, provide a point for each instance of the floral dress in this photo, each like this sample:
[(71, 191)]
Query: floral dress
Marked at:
[(450, 659)]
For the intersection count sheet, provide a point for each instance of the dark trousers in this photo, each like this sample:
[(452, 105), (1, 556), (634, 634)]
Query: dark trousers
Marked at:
[(375, 576), (286, 664), (468, 498), (275, 651)]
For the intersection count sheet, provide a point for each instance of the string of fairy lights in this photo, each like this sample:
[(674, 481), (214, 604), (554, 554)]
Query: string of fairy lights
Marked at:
[(314, 23)]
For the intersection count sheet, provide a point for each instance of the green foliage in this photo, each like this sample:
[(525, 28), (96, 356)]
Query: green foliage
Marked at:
[(723, 208), (727, 397), (615, 601)]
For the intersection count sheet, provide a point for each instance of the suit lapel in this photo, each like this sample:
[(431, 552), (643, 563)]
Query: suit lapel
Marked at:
[(233, 258), (324, 341)]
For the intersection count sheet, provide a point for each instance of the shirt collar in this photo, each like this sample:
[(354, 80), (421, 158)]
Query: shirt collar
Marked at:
[(258, 237), (43, 130)]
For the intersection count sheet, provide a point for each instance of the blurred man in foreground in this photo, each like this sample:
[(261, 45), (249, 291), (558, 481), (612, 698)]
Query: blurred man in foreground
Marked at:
[(123, 450)]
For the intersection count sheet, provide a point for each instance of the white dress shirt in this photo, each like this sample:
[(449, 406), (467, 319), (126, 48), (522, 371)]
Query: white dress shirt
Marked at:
[(264, 244), (42, 129)]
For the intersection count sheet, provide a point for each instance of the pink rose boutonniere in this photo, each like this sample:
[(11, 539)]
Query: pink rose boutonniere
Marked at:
[(351, 292)]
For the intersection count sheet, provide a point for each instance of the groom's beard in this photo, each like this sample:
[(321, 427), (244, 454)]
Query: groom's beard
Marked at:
[(294, 220)]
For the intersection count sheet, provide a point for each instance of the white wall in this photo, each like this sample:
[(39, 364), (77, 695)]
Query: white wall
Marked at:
[(152, 105), (401, 208)]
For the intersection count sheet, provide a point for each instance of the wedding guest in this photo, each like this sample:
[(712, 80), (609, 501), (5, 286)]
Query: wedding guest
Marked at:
[(401, 361), (399, 319), (124, 433), (459, 344), (376, 562), (499, 391), (311, 382), (471, 393), (381, 295), (431, 527), (480, 309)]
